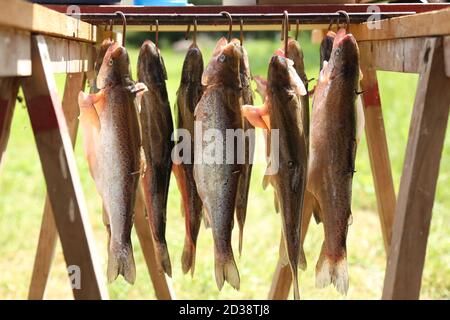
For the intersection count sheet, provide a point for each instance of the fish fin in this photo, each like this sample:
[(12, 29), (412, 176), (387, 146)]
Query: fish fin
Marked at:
[(228, 272), (206, 218), (276, 202), (266, 181), (90, 124), (121, 261), (254, 115), (329, 271), (181, 183), (241, 239), (316, 211), (360, 119), (284, 259), (164, 259), (302, 258), (140, 89), (188, 257)]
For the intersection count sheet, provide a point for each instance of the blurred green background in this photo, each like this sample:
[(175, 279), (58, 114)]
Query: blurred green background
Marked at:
[(22, 190)]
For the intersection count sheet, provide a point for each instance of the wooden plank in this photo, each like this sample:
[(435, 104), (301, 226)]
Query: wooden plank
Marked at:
[(420, 172), (48, 234), (377, 146), (60, 172), (8, 93), (27, 16), (161, 283), (69, 56), (400, 55), (16, 53), (447, 55), (433, 23), (282, 278)]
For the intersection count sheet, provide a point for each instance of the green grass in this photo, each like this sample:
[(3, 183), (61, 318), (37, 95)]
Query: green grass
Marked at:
[(22, 191)]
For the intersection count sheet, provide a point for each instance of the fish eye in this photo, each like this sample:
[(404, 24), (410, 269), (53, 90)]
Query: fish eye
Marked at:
[(291, 164), (110, 62), (222, 58)]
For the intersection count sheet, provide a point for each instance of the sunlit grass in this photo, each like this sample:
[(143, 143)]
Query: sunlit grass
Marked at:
[(22, 190)]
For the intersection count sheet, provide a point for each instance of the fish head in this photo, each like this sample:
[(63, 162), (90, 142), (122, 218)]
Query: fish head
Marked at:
[(115, 67), (283, 75), (223, 68), (151, 68), (344, 58), (193, 65)]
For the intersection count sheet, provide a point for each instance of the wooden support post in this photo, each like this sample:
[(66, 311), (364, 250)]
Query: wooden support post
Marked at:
[(163, 287), (60, 172), (48, 234), (378, 148), (420, 172), (8, 94)]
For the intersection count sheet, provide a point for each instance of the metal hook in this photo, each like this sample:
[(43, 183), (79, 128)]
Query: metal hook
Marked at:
[(331, 24), (286, 31), (124, 26), (186, 36), (230, 30), (297, 29), (241, 31), (347, 19), (110, 29), (194, 38)]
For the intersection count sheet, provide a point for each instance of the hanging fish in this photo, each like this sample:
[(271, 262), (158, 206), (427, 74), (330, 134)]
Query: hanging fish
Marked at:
[(332, 156), (188, 95), (112, 141), (326, 46), (244, 180), (217, 181), (157, 129)]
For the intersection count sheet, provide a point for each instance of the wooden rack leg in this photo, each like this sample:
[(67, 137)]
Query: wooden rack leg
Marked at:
[(161, 283), (420, 172), (378, 151), (8, 93), (48, 234), (282, 278), (60, 172)]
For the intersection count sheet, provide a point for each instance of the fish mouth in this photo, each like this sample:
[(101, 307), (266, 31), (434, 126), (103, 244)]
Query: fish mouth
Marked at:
[(342, 38), (148, 47)]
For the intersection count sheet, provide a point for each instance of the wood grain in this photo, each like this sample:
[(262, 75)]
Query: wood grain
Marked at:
[(420, 171)]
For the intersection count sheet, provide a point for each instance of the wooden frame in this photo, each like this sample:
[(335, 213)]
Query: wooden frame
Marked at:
[(40, 49)]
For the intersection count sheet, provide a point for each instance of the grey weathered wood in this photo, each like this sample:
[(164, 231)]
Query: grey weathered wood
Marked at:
[(420, 172), (8, 93), (61, 175)]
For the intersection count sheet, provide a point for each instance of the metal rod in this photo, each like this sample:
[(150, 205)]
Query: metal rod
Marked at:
[(219, 19)]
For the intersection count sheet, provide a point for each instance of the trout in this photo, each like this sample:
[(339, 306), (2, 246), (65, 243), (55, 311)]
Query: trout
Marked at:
[(217, 180), (287, 115), (332, 157), (244, 180), (112, 141), (157, 129), (188, 95)]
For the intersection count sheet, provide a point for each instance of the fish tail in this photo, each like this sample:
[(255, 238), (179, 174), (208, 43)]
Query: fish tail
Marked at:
[(121, 261), (163, 254), (302, 259), (332, 271), (227, 271), (188, 257)]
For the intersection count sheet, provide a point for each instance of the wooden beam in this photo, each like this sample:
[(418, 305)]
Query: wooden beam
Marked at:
[(378, 149), (420, 172), (68, 56), (16, 53), (35, 18), (60, 172), (8, 93), (400, 55), (48, 234), (161, 283), (447, 55), (433, 23)]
